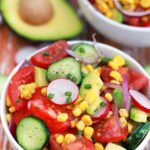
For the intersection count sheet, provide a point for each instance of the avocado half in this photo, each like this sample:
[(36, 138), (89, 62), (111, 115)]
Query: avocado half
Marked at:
[(63, 25)]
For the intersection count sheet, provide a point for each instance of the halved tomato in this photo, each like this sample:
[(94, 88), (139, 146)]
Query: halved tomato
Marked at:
[(109, 131), (105, 71), (51, 54)]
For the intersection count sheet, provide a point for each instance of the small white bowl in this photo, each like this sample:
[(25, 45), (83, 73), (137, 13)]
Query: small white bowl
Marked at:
[(120, 33), (107, 51)]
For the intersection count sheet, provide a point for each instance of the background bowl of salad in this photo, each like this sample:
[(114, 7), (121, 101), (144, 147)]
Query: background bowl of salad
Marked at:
[(129, 31), (23, 112)]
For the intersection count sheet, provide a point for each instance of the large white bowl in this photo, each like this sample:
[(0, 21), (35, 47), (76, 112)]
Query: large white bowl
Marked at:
[(107, 51), (120, 33)]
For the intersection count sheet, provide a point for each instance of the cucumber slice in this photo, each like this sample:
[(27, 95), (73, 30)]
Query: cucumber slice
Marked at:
[(32, 133), (2, 82), (65, 68), (117, 16), (147, 68), (86, 52), (137, 136)]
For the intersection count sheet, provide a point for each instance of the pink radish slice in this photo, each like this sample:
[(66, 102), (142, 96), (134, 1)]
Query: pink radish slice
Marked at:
[(57, 88), (140, 100), (102, 112)]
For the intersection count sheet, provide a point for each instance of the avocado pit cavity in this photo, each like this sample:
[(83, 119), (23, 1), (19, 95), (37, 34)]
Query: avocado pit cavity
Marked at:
[(35, 12)]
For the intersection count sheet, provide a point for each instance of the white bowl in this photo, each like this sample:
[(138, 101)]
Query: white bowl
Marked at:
[(120, 33), (107, 51)]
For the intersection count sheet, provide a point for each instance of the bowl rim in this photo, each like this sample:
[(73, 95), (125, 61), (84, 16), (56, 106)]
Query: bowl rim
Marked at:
[(101, 45), (112, 22)]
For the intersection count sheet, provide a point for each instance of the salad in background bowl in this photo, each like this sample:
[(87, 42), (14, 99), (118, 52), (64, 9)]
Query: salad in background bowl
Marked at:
[(77, 94), (131, 32)]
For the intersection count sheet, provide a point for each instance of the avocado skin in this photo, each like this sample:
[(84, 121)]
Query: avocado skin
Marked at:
[(51, 39)]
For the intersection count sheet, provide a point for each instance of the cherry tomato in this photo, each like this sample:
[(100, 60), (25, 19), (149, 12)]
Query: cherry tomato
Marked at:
[(146, 24), (50, 54), (105, 71), (23, 76), (109, 131), (133, 21)]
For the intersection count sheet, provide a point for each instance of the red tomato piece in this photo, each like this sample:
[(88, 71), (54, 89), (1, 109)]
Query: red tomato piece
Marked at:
[(79, 144), (23, 76), (109, 131), (133, 21), (51, 54), (105, 71)]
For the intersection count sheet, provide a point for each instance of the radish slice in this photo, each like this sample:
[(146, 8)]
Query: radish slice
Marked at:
[(140, 100), (102, 112), (62, 91)]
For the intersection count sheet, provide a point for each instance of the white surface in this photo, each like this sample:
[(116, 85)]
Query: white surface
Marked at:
[(124, 34), (107, 51)]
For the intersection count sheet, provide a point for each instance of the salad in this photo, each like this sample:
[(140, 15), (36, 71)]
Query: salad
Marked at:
[(72, 98), (130, 12)]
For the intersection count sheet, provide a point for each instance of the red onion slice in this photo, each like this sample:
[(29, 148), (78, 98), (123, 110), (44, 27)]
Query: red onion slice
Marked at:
[(130, 13), (113, 86)]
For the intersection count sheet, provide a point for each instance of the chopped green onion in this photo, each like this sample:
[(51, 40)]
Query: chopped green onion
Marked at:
[(102, 104), (87, 86), (69, 75), (68, 100), (68, 93), (79, 133), (74, 79), (50, 95), (46, 53), (82, 50), (18, 100)]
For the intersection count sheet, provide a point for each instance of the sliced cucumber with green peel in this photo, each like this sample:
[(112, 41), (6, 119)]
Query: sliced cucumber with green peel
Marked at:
[(65, 68), (147, 69), (32, 133), (2, 82), (137, 136)]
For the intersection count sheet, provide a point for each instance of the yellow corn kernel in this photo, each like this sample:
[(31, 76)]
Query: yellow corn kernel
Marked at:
[(80, 125), (83, 106), (78, 100), (99, 146), (90, 97), (89, 68), (62, 117), (60, 139), (97, 71), (108, 97), (119, 60), (26, 94), (8, 103), (113, 65), (8, 117), (77, 112), (88, 131), (116, 75), (109, 14), (12, 109), (123, 121), (123, 113), (69, 138), (145, 3), (44, 91), (73, 123), (115, 82), (130, 128), (87, 120), (103, 7)]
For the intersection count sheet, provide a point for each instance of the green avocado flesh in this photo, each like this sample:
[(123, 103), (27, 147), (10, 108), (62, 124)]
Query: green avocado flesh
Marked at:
[(63, 25)]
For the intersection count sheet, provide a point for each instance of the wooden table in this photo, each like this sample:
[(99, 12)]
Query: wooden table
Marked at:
[(141, 55)]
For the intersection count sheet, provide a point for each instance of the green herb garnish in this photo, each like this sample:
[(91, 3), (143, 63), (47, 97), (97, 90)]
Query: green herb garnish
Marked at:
[(18, 100), (68, 100), (69, 75), (50, 95), (46, 53), (102, 104), (68, 93), (74, 79), (82, 50), (79, 133), (87, 86)]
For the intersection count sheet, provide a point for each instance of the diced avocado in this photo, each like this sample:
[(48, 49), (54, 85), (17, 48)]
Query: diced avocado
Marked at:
[(112, 146), (40, 76), (117, 94), (65, 68), (2, 82), (62, 22), (138, 115), (117, 16), (89, 91)]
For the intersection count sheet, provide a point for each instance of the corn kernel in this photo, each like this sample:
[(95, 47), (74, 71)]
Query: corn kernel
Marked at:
[(80, 125), (109, 14), (12, 109), (87, 120), (115, 82), (89, 68), (78, 100), (62, 117), (44, 91), (73, 123), (26, 94), (88, 131), (116, 75), (113, 65), (77, 112), (145, 3), (123, 121), (99, 146), (124, 113), (8, 117), (83, 106), (69, 138), (119, 60), (60, 139), (103, 7), (130, 128), (8, 103), (108, 97)]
